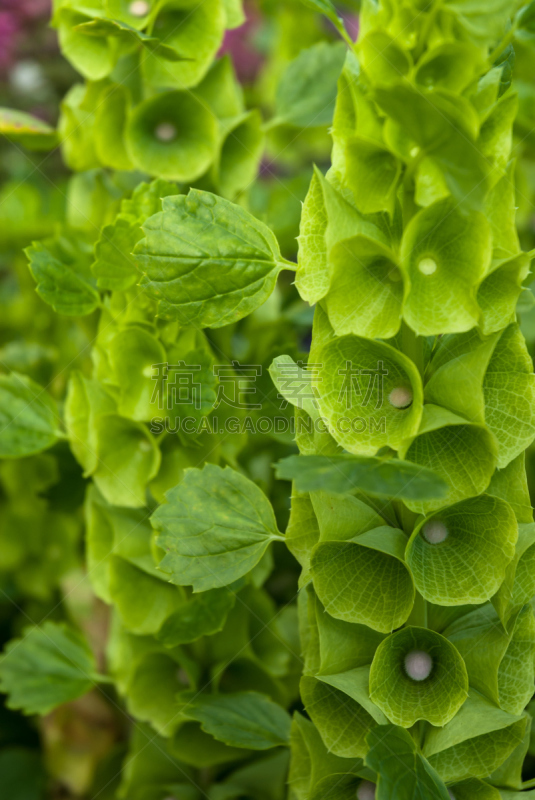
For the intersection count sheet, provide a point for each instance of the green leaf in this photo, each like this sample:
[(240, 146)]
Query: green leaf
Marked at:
[(50, 665), (374, 476), (242, 719), (444, 256), (60, 267), (215, 527), (29, 131), (28, 417), (231, 260), (172, 135), (476, 741), (365, 580), (307, 90), (404, 700), (401, 769), (480, 532)]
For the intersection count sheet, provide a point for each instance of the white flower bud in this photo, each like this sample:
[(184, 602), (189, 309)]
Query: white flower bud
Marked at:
[(366, 791), (139, 8), (165, 132), (401, 397), (435, 531), (418, 665), (427, 266)]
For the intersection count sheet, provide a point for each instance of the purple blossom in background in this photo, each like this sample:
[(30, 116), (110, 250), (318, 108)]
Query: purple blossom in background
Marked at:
[(351, 22), (239, 44), (15, 16)]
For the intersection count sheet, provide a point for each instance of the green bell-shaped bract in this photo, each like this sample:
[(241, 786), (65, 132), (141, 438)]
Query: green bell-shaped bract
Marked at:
[(343, 720), (193, 29), (511, 485), (311, 762), (111, 118), (382, 59), (133, 353), (115, 267), (500, 662), (366, 289), (172, 135), (476, 742), (462, 453), (449, 65), (120, 454), (487, 380), (337, 646), (440, 128), (150, 678), (302, 533), (354, 383), (445, 255), (76, 126), (365, 579), (241, 147), (436, 698), (93, 56), (518, 586), (460, 554), (372, 175), (328, 219), (498, 294)]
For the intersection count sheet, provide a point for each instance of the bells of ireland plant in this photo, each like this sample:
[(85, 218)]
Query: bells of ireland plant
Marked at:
[(416, 622)]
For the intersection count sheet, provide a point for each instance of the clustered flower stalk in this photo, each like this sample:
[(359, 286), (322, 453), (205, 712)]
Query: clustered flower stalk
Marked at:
[(416, 610)]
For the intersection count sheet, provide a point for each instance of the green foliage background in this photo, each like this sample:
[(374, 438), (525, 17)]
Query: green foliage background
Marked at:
[(163, 636)]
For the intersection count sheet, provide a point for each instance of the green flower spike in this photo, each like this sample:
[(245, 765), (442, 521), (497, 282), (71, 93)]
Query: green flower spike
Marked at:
[(418, 674)]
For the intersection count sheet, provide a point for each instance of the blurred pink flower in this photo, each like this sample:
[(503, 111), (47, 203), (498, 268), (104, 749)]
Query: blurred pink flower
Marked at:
[(15, 15), (9, 29), (239, 44), (352, 23)]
